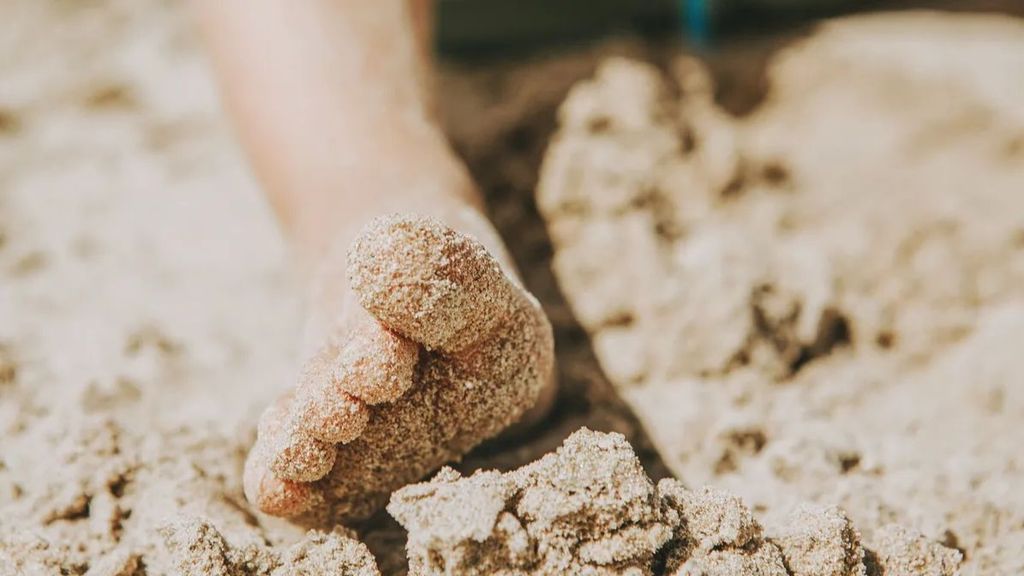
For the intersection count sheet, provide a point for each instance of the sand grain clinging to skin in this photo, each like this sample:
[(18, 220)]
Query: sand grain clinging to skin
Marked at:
[(452, 352)]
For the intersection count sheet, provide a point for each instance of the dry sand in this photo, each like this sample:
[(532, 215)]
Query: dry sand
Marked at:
[(823, 300), (589, 508), (846, 270)]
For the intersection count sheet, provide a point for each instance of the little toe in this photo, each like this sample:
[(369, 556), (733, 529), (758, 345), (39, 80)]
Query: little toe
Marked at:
[(289, 452), (332, 416), (429, 283), (299, 457), (273, 495)]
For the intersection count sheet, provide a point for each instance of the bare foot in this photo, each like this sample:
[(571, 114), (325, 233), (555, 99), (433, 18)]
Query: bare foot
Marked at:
[(437, 350)]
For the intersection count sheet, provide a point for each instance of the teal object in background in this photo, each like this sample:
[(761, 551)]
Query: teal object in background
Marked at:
[(468, 27), (697, 22)]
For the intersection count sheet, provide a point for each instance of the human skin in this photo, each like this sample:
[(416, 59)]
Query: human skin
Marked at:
[(332, 103)]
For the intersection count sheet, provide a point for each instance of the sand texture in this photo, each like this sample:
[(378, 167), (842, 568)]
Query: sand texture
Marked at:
[(822, 300), (145, 309), (816, 308), (589, 508)]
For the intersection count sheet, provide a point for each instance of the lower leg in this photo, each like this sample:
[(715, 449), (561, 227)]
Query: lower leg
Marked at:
[(332, 101)]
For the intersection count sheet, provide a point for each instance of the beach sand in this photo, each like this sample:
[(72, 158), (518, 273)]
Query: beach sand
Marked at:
[(815, 304)]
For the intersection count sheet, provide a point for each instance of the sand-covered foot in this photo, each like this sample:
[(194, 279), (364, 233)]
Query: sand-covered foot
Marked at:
[(446, 351)]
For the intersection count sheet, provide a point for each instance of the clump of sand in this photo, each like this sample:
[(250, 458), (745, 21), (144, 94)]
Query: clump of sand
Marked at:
[(821, 300), (589, 508), (198, 548)]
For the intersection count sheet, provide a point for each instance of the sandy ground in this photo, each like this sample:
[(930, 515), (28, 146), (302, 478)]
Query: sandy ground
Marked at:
[(819, 302)]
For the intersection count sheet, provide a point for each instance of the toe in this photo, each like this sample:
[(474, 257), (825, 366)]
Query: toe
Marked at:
[(429, 283), (323, 410), (290, 453), (376, 365), (301, 458), (270, 494), (273, 495)]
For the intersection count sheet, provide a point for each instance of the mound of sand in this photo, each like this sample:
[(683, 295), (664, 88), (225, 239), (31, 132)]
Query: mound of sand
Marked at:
[(822, 300), (589, 508)]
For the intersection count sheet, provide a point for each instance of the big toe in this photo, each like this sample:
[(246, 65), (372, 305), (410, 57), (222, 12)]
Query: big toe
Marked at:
[(429, 283)]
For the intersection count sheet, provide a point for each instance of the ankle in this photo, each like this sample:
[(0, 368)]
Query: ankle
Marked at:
[(335, 226)]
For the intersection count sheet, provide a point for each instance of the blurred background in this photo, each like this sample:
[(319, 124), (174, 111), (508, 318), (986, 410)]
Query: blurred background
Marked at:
[(469, 28)]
